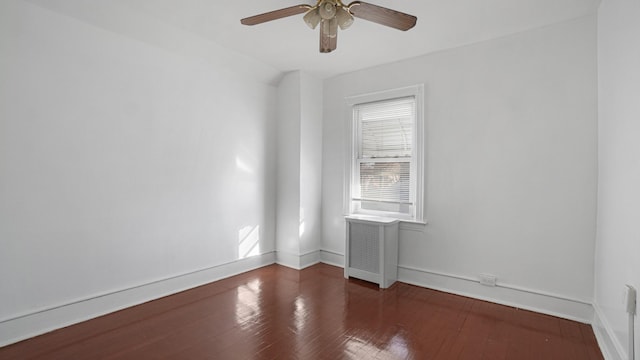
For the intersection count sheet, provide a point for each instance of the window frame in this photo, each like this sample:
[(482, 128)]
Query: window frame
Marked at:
[(417, 159)]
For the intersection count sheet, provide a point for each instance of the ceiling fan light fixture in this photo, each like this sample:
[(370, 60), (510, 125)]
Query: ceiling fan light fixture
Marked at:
[(344, 17), (312, 18)]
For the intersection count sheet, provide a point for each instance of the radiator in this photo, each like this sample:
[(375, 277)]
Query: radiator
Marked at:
[(371, 251)]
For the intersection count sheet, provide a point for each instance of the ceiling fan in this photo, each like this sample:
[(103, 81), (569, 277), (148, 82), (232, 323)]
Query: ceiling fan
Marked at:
[(331, 14)]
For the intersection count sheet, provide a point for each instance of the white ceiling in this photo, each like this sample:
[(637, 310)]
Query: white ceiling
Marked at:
[(288, 44)]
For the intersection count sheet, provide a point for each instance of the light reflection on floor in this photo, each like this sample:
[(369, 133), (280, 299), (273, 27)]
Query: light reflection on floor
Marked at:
[(357, 348), (300, 313), (248, 304)]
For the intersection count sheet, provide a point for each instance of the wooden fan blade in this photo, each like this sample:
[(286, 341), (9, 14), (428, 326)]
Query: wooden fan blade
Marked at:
[(382, 15), (276, 14), (328, 43)]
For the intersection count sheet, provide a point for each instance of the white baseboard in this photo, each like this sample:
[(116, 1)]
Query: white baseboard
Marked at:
[(528, 299), (28, 325), (298, 262), (609, 344), (332, 258), (309, 259), (287, 259)]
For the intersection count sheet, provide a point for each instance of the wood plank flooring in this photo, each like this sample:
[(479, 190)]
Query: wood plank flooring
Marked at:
[(279, 313)]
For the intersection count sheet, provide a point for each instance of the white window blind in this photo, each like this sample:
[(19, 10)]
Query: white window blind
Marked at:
[(384, 158)]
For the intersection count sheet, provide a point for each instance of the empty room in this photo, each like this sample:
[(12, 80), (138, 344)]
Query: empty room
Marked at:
[(281, 179)]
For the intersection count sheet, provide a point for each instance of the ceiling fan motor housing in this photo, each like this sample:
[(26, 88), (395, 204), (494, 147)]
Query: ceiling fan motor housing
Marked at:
[(327, 9)]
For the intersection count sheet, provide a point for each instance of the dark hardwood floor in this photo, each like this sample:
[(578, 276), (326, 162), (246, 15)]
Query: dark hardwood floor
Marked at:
[(280, 313)]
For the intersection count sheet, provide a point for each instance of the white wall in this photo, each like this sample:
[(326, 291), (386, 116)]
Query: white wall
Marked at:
[(298, 231), (121, 164), (288, 185), (510, 167), (310, 167), (618, 235)]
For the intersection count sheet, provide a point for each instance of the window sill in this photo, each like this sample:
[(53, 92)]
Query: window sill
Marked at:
[(372, 218), (407, 225), (411, 225)]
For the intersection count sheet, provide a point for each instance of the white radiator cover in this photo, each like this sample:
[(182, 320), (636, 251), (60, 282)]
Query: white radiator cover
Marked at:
[(372, 249)]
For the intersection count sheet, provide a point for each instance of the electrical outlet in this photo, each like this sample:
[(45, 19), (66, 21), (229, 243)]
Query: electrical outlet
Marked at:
[(488, 280)]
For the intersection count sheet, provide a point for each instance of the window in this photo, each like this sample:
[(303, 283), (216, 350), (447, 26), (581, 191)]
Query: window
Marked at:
[(386, 155)]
